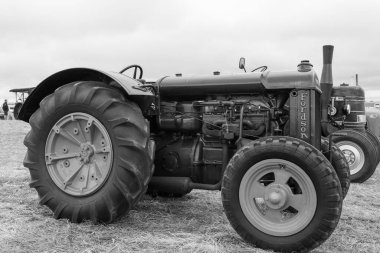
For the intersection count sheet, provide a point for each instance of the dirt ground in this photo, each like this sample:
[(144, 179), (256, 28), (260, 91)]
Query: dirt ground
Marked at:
[(194, 223)]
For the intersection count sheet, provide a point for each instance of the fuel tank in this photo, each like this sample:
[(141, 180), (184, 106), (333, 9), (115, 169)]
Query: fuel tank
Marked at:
[(348, 95), (246, 83)]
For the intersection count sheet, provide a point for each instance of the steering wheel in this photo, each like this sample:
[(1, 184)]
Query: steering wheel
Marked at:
[(137, 68), (263, 68)]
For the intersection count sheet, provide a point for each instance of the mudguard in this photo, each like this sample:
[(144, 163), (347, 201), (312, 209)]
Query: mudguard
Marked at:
[(50, 84)]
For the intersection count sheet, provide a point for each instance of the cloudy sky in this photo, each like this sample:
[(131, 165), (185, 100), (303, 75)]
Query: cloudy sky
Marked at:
[(41, 37)]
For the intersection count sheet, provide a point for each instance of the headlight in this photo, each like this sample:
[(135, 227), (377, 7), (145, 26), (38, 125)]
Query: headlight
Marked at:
[(347, 109)]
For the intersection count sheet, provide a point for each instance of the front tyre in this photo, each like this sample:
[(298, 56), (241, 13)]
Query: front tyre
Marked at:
[(375, 141), (360, 154), (281, 193), (89, 153), (339, 163)]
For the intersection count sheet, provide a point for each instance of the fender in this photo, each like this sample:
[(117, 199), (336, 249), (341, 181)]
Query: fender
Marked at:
[(50, 84)]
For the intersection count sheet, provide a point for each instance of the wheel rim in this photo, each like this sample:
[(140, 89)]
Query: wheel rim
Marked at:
[(354, 155), (78, 154), (277, 197)]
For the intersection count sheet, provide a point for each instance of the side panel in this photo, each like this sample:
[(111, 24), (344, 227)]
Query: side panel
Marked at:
[(305, 116), (50, 84)]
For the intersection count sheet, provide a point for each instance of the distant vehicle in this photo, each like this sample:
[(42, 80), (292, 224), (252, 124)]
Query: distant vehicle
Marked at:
[(369, 104), (21, 94)]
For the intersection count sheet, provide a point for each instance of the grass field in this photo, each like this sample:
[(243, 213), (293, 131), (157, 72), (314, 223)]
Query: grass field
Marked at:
[(194, 223)]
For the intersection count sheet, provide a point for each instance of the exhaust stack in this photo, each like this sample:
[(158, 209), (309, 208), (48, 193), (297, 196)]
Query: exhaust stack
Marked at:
[(326, 85)]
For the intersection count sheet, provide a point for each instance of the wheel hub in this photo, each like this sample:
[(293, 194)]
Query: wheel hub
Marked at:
[(276, 196), (354, 155), (350, 156), (86, 153), (78, 153)]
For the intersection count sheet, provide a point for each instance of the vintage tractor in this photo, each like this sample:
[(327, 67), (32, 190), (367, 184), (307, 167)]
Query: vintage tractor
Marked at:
[(21, 94), (346, 114), (99, 139)]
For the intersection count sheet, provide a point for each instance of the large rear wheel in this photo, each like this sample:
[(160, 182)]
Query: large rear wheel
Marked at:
[(281, 193), (89, 152)]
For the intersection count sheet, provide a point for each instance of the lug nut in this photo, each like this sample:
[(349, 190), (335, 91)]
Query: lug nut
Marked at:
[(66, 163)]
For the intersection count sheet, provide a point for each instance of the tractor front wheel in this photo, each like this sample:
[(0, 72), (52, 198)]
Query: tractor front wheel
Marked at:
[(375, 142), (360, 154), (281, 193), (339, 163)]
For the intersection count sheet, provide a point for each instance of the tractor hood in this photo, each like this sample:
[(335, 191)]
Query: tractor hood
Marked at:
[(245, 83)]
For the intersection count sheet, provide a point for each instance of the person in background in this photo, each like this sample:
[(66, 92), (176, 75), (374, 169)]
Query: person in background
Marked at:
[(5, 109)]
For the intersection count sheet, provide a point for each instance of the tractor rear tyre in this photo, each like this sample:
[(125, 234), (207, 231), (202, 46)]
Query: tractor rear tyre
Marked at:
[(281, 193), (360, 154), (89, 152), (339, 163)]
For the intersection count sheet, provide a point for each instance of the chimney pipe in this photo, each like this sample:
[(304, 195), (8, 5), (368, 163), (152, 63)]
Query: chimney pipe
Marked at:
[(326, 85)]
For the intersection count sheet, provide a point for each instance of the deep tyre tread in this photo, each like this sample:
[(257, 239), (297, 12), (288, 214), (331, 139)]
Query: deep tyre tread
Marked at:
[(339, 163), (364, 142), (320, 172), (132, 164)]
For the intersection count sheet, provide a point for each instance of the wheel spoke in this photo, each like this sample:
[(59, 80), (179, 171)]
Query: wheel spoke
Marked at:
[(71, 177), (105, 149), (97, 171), (80, 131), (257, 190), (67, 135), (273, 215), (86, 177), (90, 131), (51, 157), (297, 201), (281, 176)]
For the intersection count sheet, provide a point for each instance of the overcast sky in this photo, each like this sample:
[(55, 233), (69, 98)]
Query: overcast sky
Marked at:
[(41, 37)]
